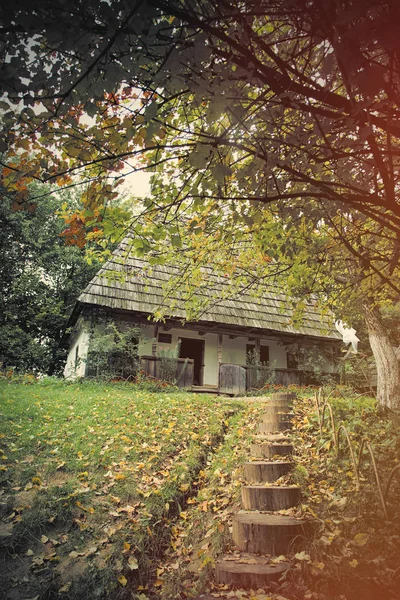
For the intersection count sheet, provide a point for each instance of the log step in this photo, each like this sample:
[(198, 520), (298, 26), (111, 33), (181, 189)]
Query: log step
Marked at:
[(273, 410), (262, 533), (270, 450), (248, 571), (271, 437), (281, 397), (262, 471), (275, 417), (270, 497), (273, 426)]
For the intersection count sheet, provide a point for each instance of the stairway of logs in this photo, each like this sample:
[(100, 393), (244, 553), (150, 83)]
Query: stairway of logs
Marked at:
[(259, 532)]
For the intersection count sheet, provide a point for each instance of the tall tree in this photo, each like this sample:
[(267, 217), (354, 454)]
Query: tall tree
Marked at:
[(262, 103), (40, 279)]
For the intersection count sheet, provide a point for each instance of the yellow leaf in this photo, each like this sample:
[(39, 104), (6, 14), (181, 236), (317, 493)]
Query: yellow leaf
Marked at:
[(132, 563), (127, 547), (122, 580), (88, 509), (120, 476), (360, 539), (44, 539), (302, 556), (353, 563)]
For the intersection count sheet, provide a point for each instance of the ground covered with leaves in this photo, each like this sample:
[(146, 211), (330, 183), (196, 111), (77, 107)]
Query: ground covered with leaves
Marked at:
[(112, 492), (97, 482), (354, 552)]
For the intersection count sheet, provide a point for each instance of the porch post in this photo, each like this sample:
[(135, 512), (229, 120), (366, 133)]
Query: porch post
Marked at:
[(219, 348), (154, 345), (219, 352)]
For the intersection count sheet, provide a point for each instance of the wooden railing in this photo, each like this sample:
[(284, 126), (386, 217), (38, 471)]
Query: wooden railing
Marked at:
[(183, 377)]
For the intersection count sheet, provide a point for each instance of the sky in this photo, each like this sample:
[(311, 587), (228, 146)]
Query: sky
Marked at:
[(137, 184)]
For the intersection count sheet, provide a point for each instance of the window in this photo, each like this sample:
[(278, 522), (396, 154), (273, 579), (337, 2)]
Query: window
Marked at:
[(165, 338), (264, 353)]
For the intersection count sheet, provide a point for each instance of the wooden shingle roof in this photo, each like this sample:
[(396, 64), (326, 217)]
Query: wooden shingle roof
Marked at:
[(130, 284)]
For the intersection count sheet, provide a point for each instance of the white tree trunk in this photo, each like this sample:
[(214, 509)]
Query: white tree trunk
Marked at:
[(387, 365)]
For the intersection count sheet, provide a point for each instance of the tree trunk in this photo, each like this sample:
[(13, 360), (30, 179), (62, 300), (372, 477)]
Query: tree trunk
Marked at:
[(387, 365)]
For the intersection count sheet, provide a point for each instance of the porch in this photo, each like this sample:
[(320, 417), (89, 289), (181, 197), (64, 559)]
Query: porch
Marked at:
[(233, 379)]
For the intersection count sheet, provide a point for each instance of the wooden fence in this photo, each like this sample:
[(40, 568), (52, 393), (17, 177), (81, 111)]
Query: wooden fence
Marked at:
[(182, 377)]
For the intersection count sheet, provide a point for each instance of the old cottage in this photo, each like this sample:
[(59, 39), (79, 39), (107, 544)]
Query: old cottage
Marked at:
[(215, 348)]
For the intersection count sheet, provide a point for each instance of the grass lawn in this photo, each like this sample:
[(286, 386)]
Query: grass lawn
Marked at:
[(96, 482), (112, 492)]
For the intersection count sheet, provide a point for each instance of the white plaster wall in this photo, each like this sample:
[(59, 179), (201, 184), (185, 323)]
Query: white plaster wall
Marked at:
[(80, 339), (234, 351)]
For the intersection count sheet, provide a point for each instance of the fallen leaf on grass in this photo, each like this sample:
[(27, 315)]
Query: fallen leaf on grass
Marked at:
[(353, 563), (122, 580), (75, 554), (133, 563), (65, 588), (360, 539), (88, 509)]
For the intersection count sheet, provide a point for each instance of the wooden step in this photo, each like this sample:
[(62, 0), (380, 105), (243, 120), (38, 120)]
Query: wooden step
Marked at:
[(270, 497), (283, 398), (271, 409), (270, 450), (263, 471), (262, 533), (276, 438), (248, 571), (275, 417), (273, 426)]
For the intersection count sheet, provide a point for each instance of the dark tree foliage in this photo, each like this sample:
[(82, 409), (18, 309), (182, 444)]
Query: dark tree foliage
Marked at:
[(40, 279), (249, 114)]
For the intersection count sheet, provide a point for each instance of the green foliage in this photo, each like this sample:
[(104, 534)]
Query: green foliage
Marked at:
[(351, 554), (147, 383), (40, 279), (293, 159), (92, 471), (113, 350), (312, 361), (168, 363), (259, 374)]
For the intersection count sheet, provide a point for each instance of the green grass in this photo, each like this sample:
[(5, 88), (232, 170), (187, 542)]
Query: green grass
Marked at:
[(97, 479)]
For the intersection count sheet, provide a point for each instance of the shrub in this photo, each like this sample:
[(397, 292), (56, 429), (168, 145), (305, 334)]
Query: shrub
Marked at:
[(113, 351)]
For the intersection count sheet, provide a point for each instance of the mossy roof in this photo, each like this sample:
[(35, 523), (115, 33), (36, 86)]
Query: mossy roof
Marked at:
[(130, 284)]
